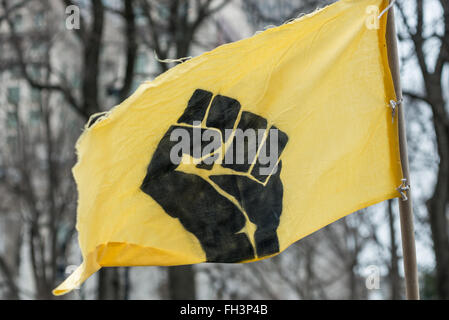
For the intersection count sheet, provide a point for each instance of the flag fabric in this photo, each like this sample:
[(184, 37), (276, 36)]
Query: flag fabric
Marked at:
[(318, 88)]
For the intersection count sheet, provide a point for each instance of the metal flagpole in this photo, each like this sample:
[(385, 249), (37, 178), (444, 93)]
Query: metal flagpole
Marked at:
[(405, 204)]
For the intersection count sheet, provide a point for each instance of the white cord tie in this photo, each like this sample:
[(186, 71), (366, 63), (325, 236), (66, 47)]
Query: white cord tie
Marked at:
[(180, 60), (386, 9), (394, 107), (403, 188)]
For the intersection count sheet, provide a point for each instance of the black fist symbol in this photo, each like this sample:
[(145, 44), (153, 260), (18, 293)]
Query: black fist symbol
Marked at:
[(231, 207)]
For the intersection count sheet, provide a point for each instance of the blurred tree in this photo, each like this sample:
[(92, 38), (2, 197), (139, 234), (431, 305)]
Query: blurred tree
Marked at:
[(36, 158), (428, 286), (393, 265), (431, 65), (173, 25), (35, 162)]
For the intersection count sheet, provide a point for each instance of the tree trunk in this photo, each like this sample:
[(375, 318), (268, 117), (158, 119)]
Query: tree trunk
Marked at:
[(91, 61), (395, 279), (181, 283), (437, 205), (110, 284)]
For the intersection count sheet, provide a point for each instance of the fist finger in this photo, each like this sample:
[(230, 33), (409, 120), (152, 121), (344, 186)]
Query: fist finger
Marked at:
[(248, 136), (269, 154), (223, 114), (197, 107)]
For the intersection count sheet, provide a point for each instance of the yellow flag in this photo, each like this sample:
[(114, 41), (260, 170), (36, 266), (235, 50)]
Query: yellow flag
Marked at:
[(317, 89)]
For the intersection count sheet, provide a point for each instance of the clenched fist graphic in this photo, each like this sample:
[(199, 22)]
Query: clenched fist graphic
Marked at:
[(230, 205)]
